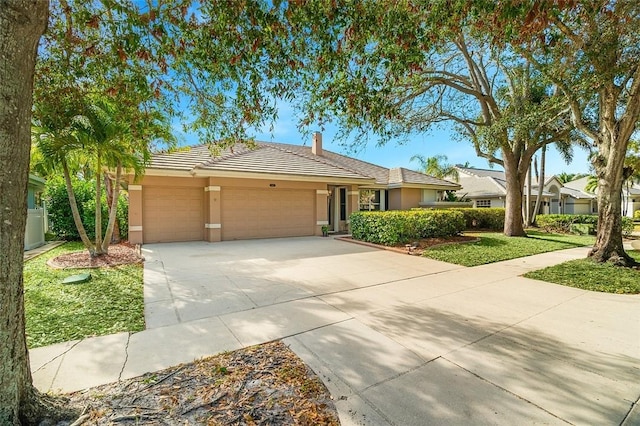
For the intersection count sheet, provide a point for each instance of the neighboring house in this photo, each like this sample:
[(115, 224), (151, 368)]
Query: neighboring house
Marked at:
[(488, 188), (630, 195), (274, 190), (578, 199), (36, 214), (630, 200)]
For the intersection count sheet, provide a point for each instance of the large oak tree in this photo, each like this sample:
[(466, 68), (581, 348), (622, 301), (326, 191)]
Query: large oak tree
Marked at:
[(591, 51), (22, 22), (397, 69)]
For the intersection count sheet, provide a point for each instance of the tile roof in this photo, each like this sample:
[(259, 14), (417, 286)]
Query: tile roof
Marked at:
[(400, 175), (276, 158), (478, 183), (576, 193)]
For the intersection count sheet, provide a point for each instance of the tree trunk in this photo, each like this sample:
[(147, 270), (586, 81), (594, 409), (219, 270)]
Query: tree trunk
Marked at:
[(527, 209), (513, 224), (608, 246), (112, 211), (22, 22), (543, 160), (98, 230), (108, 187), (74, 210)]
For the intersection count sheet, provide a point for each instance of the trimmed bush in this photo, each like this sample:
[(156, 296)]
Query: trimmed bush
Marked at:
[(399, 227), (636, 215), (490, 219), (566, 223)]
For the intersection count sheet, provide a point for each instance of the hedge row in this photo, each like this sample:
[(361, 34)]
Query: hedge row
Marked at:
[(565, 222), (399, 227), (490, 218)]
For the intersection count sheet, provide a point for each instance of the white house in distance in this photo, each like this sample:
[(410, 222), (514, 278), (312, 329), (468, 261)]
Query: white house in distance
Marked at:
[(487, 188), (630, 195)]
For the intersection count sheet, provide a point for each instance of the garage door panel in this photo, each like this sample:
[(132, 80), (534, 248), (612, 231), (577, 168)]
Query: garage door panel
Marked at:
[(259, 213), (173, 214)]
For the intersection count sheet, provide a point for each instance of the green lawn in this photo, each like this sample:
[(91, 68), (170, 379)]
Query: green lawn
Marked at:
[(494, 247), (588, 275), (111, 302)]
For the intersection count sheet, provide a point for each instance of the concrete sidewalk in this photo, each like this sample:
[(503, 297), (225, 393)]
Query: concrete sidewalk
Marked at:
[(397, 339)]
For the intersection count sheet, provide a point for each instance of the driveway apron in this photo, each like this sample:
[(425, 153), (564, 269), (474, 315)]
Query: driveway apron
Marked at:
[(397, 339)]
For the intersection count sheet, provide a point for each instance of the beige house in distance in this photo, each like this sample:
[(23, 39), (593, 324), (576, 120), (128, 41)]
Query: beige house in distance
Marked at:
[(274, 190)]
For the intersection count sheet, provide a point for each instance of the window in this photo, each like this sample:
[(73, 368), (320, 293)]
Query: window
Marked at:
[(369, 200), (343, 203), (483, 204)]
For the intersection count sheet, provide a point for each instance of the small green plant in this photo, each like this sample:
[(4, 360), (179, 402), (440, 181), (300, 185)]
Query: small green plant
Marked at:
[(325, 230), (150, 380)]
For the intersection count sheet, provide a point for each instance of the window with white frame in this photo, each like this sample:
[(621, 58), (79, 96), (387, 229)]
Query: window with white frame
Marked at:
[(483, 204), (369, 200)]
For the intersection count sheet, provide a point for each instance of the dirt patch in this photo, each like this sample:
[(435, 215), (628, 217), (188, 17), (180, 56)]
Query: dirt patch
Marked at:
[(119, 254), (261, 385), (416, 248)]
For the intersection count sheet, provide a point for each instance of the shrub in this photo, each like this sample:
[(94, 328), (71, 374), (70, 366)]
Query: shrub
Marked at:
[(398, 227), (492, 218), (636, 215), (59, 209), (566, 223), (627, 226)]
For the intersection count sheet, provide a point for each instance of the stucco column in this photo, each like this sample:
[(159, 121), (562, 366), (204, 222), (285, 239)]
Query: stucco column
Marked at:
[(213, 219), (322, 210), (135, 214), (353, 202)]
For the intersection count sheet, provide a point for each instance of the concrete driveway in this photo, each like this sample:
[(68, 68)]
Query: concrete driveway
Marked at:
[(397, 339)]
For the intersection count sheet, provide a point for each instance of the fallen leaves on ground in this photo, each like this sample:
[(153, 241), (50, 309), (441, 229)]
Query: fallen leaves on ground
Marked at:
[(261, 385), (118, 254)]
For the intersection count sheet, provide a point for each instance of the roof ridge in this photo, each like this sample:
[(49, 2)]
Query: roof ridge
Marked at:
[(313, 157)]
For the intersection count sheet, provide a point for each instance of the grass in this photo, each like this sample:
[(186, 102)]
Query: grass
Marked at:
[(495, 247), (588, 275), (111, 302)]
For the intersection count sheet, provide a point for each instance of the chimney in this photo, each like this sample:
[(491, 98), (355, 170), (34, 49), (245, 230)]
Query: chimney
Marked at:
[(316, 143)]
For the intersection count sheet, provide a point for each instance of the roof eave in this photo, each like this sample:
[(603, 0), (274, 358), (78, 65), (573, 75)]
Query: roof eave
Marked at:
[(196, 172)]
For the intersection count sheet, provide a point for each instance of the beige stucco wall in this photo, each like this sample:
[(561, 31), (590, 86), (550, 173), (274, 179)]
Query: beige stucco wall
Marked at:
[(577, 206), (212, 206), (404, 198)]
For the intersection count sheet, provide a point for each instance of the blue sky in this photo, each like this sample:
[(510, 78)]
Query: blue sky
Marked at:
[(437, 142)]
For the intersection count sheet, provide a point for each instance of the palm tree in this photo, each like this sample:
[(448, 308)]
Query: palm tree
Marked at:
[(565, 177), (97, 137), (436, 166)]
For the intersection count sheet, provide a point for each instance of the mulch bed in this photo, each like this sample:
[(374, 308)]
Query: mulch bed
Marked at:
[(119, 254), (260, 385), (419, 246)]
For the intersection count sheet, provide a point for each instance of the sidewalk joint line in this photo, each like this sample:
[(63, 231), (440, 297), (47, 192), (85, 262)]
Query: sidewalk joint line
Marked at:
[(628, 414), (506, 390)]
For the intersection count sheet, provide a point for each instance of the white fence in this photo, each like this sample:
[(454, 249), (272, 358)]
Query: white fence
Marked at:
[(34, 235)]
